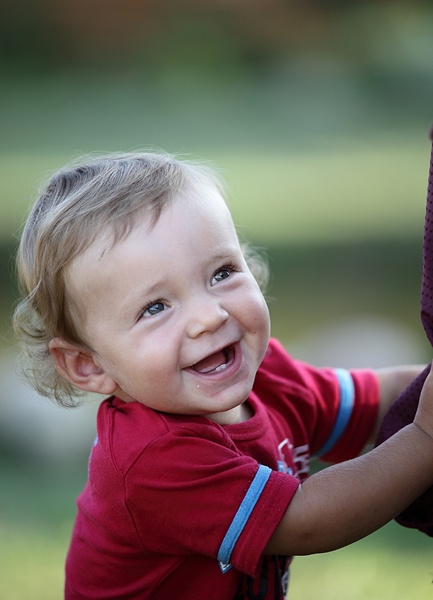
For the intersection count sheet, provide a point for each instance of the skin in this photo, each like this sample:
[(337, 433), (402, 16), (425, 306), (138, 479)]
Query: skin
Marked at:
[(173, 318)]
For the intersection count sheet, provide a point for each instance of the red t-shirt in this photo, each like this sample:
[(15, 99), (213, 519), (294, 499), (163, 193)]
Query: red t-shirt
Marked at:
[(181, 507)]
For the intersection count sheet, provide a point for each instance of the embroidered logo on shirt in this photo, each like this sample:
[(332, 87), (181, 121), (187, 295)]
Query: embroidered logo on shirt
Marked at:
[(282, 464), (299, 457)]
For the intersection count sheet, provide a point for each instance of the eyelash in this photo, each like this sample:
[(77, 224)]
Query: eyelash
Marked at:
[(230, 268)]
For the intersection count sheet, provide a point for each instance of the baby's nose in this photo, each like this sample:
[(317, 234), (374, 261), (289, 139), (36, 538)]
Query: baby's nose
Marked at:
[(205, 317)]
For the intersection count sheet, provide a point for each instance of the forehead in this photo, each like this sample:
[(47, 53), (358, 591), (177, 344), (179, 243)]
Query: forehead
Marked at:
[(201, 207), (198, 198), (194, 221)]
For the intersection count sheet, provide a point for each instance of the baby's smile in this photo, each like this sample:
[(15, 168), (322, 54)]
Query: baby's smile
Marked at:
[(215, 362)]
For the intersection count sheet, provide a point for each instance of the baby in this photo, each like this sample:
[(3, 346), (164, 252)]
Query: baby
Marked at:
[(136, 287)]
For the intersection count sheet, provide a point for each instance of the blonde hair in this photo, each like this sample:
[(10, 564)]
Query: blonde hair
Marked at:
[(78, 203)]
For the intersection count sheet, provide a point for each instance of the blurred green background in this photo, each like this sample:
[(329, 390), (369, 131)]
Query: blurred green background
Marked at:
[(317, 114)]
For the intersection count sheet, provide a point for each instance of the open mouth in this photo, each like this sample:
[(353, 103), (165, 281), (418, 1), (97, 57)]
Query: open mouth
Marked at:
[(215, 362)]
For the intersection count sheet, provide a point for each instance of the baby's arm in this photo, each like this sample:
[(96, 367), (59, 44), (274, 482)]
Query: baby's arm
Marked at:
[(348, 501), (392, 382)]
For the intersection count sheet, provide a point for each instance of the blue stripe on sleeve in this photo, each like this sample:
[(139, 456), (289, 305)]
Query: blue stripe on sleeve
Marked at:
[(347, 397), (241, 517)]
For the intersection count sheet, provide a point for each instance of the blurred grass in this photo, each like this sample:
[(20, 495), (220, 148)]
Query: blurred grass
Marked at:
[(36, 511), (32, 563), (392, 564), (312, 285), (343, 191)]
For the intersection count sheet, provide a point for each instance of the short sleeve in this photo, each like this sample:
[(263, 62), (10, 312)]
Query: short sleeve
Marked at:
[(193, 494), (330, 411), (355, 417)]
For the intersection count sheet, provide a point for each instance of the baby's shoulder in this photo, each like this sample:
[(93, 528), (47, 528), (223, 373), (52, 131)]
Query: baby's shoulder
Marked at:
[(127, 430)]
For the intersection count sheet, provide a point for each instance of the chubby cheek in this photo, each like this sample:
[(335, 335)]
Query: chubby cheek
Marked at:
[(255, 316), (155, 366), (147, 386), (259, 313)]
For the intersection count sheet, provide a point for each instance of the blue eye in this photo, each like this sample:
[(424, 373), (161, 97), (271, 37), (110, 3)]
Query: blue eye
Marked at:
[(222, 274), (153, 308)]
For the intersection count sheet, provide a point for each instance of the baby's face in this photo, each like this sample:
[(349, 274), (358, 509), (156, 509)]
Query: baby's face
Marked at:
[(172, 312)]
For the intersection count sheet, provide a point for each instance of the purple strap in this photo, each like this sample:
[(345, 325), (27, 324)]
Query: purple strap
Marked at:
[(419, 515)]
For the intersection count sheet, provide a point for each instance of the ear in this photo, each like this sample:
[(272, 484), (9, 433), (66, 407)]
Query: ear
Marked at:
[(78, 366)]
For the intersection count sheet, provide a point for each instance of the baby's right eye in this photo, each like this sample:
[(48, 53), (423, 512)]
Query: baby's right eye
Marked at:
[(153, 308)]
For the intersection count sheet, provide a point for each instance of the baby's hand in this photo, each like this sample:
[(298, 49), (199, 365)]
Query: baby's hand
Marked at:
[(424, 414)]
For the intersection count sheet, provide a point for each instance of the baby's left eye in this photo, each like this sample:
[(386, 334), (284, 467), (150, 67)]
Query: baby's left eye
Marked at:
[(222, 274)]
